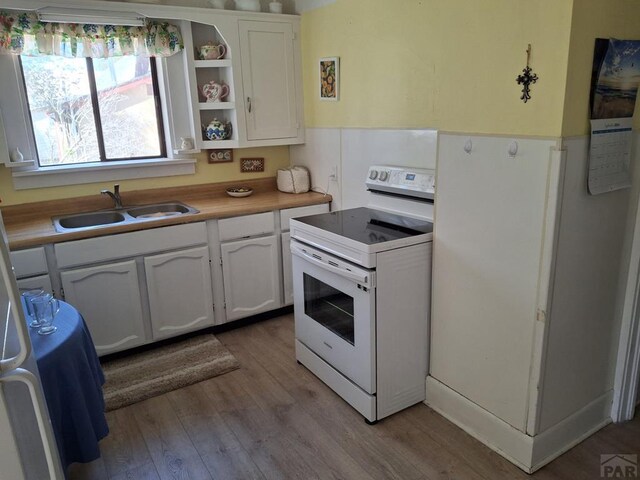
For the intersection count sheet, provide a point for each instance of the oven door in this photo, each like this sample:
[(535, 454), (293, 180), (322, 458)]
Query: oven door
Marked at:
[(334, 305)]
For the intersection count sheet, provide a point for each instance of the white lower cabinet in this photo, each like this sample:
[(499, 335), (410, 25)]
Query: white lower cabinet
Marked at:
[(251, 276), (180, 291), (32, 283), (108, 297), (287, 274)]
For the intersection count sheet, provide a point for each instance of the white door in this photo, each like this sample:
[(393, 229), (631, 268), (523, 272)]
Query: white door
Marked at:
[(287, 275), (268, 79), (41, 281), (180, 293), (108, 297), (251, 276)]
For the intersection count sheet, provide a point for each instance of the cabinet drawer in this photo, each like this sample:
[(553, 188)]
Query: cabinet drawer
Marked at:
[(29, 262), (113, 247), (289, 213), (246, 226), (32, 283)]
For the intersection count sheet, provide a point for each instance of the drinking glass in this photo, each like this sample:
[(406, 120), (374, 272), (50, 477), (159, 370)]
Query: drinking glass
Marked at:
[(28, 295), (45, 308)]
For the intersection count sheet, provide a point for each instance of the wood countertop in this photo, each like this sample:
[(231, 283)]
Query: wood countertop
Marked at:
[(30, 224)]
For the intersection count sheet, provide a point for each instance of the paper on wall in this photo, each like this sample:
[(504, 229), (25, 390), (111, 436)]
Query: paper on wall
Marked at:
[(610, 154)]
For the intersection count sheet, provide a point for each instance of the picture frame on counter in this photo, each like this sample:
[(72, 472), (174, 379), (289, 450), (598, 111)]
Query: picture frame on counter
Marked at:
[(329, 78)]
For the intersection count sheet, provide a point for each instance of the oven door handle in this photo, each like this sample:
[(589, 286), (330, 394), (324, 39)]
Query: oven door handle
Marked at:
[(358, 277)]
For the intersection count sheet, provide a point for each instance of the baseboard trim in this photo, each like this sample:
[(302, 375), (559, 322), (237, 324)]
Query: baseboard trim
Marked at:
[(556, 440), (496, 434), (526, 452)]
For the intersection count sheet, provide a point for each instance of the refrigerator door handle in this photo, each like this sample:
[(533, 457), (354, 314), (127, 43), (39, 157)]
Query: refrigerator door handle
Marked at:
[(42, 415)]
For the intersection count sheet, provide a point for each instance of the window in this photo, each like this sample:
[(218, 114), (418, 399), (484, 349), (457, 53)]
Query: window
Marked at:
[(90, 110)]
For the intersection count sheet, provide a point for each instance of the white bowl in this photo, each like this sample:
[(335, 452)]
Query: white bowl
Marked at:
[(248, 5), (245, 193)]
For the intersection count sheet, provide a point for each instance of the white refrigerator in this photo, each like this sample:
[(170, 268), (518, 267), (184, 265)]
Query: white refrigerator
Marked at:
[(27, 443)]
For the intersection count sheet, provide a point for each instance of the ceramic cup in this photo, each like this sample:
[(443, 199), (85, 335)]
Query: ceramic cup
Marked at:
[(186, 143), (45, 308)]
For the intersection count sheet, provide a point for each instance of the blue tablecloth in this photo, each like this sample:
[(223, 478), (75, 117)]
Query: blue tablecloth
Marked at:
[(72, 381)]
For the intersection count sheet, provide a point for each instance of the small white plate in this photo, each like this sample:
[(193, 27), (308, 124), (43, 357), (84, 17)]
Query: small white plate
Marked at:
[(232, 193)]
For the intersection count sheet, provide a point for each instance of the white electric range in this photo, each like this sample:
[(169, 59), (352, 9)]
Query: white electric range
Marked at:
[(362, 282)]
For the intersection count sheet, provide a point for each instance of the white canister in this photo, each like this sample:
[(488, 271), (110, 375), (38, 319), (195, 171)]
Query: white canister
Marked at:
[(275, 7), (248, 5), (294, 180)]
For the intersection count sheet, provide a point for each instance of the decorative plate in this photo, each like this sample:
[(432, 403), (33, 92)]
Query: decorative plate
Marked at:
[(239, 191)]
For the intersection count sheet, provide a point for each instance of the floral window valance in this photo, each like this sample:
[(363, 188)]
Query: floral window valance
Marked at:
[(22, 33)]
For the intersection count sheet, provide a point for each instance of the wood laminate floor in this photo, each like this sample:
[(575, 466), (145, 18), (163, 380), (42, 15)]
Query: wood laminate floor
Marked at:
[(272, 419)]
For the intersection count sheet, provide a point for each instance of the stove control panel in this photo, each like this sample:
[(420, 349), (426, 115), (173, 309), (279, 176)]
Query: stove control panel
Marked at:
[(414, 182)]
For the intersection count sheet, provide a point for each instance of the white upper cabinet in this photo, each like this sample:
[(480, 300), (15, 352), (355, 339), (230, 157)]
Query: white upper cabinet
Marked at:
[(268, 80), (259, 71)]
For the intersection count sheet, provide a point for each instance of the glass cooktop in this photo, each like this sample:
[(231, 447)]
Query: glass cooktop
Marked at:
[(367, 225)]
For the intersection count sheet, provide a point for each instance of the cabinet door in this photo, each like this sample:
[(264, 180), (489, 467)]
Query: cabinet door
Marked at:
[(287, 275), (108, 297), (180, 293), (33, 283), (251, 276), (268, 79)]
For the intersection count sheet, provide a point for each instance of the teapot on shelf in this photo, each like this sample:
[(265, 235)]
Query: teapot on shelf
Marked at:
[(217, 130), (215, 92), (212, 51)]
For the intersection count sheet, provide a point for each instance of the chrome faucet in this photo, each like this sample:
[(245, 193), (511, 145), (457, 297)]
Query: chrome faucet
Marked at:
[(115, 195)]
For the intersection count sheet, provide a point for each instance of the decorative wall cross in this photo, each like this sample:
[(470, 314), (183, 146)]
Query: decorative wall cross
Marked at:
[(526, 79)]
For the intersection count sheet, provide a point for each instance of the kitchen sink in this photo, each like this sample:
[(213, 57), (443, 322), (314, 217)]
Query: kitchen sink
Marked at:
[(160, 210), (93, 219), (134, 214)]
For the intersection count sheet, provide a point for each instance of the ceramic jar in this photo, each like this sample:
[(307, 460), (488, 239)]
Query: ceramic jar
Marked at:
[(217, 130), (215, 92), (212, 51), (248, 5), (275, 7)]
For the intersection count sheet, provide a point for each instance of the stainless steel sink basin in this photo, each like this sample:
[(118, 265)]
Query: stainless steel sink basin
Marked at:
[(160, 210), (134, 214), (88, 220)]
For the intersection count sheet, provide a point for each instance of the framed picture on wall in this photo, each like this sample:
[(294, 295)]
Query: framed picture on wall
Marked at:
[(329, 78)]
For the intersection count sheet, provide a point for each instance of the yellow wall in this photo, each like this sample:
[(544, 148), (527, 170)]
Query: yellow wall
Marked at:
[(446, 64), (594, 19), (275, 157)]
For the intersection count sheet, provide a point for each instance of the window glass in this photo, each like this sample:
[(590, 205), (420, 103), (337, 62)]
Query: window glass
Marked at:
[(127, 107), (91, 110), (59, 96)]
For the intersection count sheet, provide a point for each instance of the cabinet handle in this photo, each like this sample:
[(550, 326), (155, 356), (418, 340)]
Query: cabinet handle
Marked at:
[(249, 104)]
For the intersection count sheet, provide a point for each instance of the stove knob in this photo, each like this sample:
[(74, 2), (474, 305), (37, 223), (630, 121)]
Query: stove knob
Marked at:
[(373, 174), (384, 175)]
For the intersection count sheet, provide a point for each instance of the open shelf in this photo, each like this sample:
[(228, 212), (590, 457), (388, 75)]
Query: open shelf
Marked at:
[(217, 105), (219, 143), (23, 163), (212, 63)]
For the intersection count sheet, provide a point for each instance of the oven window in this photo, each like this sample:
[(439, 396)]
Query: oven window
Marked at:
[(329, 307)]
